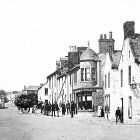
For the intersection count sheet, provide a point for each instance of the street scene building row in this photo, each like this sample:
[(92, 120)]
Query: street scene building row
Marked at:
[(109, 78)]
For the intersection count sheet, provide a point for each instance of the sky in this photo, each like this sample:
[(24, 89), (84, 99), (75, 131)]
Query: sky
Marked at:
[(36, 33)]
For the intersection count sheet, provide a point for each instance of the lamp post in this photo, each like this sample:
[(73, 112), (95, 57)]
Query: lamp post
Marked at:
[(133, 84)]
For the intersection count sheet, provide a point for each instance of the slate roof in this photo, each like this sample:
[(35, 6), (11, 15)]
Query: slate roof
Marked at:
[(55, 72), (34, 88), (135, 47), (88, 54), (115, 58)]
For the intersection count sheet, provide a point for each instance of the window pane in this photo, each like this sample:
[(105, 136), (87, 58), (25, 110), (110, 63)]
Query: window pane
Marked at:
[(109, 80), (82, 74), (121, 78), (75, 77), (129, 74), (70, 79), (93, 74), (107, 103), (105, 81), (46, 91), (87, 74)]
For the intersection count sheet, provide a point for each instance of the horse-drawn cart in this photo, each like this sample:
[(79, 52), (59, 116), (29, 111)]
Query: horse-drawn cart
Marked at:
[(25, 101)]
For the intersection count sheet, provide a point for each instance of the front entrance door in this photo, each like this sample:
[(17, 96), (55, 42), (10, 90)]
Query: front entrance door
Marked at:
[(122, 110)]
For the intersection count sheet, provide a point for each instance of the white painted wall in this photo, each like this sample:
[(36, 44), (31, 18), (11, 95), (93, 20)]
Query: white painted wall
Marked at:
[(112, 90), (41, 93)]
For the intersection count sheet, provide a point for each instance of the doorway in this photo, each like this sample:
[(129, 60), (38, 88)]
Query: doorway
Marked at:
[(122, 117)]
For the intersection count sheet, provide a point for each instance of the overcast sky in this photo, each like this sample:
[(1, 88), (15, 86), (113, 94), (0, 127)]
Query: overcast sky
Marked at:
[(35, 33)]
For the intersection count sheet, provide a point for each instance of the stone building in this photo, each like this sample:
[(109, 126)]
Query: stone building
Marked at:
[(77, 79), (111, 77), (53, 86), (122, 82), (86, 83), (129, 71), (105, 45), (31, 89)]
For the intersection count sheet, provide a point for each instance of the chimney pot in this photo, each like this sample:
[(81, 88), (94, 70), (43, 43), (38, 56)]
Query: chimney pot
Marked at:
[(104, 36), (101, 36), (70, 48), (25, 87), (75, 49), (110, 35)]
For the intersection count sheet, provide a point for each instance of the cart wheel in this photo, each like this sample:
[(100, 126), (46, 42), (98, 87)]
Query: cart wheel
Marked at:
[(25, 110)]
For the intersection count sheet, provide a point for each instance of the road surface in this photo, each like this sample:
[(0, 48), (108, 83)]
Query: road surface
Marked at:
[(17, 126)]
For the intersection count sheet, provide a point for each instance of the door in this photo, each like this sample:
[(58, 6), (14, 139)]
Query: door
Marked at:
[(122, 111)]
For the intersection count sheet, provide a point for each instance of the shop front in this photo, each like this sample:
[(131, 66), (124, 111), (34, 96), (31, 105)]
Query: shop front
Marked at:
[(88, 98)]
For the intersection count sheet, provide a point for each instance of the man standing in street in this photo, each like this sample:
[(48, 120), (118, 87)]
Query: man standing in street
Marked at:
[(68, 107), (53, 110), (117, 114), (72, 109), (57, 109), (63, 108)]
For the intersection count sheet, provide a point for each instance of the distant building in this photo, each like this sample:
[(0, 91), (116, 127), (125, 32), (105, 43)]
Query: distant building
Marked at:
[(53, 86), (43, 93), (31, 89), (12, 95)]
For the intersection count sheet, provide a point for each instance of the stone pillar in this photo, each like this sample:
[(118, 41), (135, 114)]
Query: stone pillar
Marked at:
[(85, 100), (93, 100), (75, 97), (81, 99)]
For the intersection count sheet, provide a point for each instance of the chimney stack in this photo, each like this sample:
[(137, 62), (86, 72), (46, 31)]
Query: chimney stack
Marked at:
[(104, 36), (25, 87), (110, 35), (101, 36), (75, 49), (129, 29), (70, 48)]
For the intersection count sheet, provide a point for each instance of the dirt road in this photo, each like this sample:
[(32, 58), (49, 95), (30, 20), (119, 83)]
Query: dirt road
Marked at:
[(17, 126)]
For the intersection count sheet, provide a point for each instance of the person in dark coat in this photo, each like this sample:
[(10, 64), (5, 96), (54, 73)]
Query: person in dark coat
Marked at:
[(68, 107), (102, 112), (46, 112), (121, 116), (75, 108), (117, 114), (42, 107), (57, 109), (72, 109), (53, 109), (49, 108), (63, 108)]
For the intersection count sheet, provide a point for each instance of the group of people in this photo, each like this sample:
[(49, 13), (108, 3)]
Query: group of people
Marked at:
[(53, 109)]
